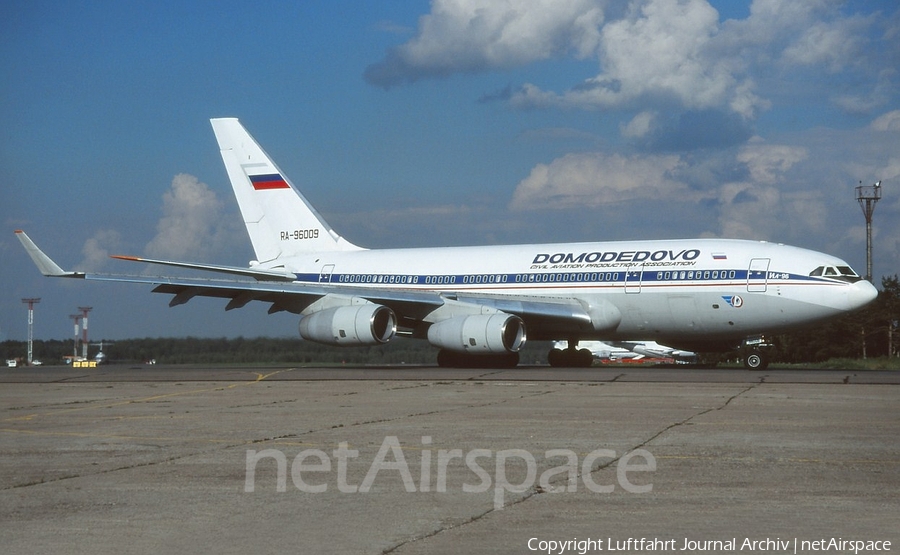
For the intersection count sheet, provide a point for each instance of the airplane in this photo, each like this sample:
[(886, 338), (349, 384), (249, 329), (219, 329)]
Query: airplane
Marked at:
[(479, 304), (633, 350)]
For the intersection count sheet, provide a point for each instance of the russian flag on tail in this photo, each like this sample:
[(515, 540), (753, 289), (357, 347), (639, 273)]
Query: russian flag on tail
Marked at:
[(268, 181)]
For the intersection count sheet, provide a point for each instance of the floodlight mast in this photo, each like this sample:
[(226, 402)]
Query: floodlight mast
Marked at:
[(84, 329), (31, 302), (77, 319), (868, 196)]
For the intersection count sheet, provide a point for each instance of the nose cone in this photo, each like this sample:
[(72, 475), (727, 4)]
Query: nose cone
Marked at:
[(861, 293)]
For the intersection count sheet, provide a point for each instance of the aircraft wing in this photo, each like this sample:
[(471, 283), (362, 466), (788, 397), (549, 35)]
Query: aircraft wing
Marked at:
[(259, 274), (51, 269), (279, 289)]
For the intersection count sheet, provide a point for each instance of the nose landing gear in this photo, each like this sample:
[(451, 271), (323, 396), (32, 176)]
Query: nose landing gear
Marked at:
[(755, 352)]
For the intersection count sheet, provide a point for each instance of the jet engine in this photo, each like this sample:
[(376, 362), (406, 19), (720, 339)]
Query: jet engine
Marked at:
[(479, 334), (365, 324)]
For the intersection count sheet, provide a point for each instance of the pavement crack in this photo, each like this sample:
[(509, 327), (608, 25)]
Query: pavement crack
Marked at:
[(70, 378), (693, 416), (437, 531), (537, 489), (479, 376), (455, 409)]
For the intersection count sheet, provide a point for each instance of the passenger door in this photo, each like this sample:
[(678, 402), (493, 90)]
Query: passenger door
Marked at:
[(633, 278), (325, 274), (757, 275)]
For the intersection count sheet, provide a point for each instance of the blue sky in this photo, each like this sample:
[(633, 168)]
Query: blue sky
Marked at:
[(426, 124)]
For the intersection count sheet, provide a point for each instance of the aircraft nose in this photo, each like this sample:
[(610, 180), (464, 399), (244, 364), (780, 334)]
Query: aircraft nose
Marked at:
[(862, 293)]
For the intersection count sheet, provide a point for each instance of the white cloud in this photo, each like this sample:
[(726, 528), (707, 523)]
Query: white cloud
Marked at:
[(595, 179), (97, 248), (748, 211), (664, 52), (831, 44), (887, 122), (472, 35), (762, 206), (867, 101), (768, 162), (640, 125), (890, 172), (193, 224), (660, 54), (660, 51)]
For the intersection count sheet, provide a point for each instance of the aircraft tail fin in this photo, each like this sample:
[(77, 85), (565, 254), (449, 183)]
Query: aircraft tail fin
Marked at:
[(279, 220)]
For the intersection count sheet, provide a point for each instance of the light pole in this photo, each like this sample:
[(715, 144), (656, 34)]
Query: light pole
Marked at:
[(31, 302), (77, 319), (84, 329), (868, 196)]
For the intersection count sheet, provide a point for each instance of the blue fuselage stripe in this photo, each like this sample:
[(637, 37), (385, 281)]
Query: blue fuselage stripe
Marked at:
[(621, 278)]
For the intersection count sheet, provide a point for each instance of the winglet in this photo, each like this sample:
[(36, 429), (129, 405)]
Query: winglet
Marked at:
[(47, 266)]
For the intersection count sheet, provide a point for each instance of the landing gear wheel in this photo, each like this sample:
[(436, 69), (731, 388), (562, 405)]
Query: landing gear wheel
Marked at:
[(556, 358), (585, 358), (755, 360)]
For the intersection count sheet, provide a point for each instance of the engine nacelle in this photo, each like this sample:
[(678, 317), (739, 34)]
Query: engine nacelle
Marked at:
[(480, 333), (364, 324)]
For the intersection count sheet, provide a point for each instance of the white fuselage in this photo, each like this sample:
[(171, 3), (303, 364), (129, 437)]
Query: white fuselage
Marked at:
[(681, 289)]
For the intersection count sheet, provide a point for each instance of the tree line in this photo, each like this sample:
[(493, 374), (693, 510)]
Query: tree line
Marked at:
[(870, 332)]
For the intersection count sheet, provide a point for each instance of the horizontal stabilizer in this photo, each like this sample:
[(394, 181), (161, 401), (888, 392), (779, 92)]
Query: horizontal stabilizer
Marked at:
[(47, 266)]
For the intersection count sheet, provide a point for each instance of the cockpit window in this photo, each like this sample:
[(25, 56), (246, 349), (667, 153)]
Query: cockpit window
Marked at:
[(843, 273)]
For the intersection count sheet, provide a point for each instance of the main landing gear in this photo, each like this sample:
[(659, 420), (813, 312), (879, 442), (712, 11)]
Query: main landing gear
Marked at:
[(571, 357), (755, 352)]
